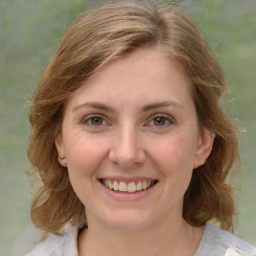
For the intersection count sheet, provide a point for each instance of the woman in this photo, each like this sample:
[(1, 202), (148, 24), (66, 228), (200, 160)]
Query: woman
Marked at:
[(129, 140)]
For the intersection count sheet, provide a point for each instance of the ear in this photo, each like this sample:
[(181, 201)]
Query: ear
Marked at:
[(60, 150), (204, 147)]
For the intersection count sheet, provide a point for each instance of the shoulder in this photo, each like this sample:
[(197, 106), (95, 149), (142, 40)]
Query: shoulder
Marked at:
[(219, 242), (65, 245)]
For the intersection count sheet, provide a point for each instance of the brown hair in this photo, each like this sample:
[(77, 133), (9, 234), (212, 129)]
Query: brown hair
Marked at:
[(95, 38)]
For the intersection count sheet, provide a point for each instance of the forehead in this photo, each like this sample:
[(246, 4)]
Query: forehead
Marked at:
[(143, 75)]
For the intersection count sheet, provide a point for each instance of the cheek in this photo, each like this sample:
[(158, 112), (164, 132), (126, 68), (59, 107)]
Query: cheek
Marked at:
[(177, 151), (83, 157), (174, 158)]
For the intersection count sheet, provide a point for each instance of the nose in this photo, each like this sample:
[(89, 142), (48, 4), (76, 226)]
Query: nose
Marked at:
[(127, 150)]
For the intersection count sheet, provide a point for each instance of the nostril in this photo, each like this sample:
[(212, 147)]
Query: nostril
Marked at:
[(127, 158)]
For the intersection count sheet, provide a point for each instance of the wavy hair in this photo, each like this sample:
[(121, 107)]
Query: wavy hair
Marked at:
[(95, 38)]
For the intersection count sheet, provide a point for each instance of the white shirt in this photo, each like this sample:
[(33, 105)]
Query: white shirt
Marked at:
[(215, 242)]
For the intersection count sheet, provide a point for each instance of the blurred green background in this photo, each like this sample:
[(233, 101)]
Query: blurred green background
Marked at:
[(29, 33)]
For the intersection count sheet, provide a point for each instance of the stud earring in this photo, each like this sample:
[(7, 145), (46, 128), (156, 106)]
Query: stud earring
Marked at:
[(62, 157)]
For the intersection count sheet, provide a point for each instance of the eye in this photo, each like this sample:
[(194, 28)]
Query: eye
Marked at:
[(94, 121), (161, 121)]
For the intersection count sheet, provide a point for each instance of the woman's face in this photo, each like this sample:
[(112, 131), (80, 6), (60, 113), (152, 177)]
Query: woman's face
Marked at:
[(131, 140)]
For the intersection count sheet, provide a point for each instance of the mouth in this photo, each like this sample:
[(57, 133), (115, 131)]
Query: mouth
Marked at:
[(128, 187)]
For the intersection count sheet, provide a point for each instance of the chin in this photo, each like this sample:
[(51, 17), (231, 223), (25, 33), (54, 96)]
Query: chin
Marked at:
[(128, 221)]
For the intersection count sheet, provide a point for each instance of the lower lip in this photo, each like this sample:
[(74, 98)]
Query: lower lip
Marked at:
[(122, 196)]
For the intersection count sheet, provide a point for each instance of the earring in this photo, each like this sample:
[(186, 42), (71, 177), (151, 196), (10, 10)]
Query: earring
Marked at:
[(62, 157)]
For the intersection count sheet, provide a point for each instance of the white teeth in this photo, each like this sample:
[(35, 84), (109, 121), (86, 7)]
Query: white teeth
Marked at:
[(139, 186), (110, 184), (115, 185), (144, 185), (130, 187), (123, 186)]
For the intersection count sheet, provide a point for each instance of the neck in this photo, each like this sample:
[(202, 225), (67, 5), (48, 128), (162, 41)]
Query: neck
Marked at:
[(176, 239)]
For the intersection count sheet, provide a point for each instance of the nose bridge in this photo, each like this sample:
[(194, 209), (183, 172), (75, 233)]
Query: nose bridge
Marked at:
[(127, 149)]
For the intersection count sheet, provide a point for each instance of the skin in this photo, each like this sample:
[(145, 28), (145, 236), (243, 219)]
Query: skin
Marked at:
[(134, 119)]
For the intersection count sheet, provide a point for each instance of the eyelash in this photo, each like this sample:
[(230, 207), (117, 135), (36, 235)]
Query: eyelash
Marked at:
[(166, 118), (89, 119)]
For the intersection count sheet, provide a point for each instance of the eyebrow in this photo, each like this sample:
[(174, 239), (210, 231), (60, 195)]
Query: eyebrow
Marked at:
[(161, 104), (95, 105), (146, 108)]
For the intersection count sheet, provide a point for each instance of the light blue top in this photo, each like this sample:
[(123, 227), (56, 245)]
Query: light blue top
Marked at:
[(215, 242)]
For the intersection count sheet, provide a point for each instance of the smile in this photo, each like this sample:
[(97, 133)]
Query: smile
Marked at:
[(130, 187)]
